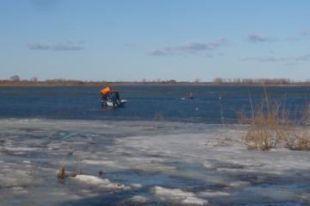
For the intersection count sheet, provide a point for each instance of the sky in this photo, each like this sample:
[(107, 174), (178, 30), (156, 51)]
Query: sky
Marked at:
[(185, 40)]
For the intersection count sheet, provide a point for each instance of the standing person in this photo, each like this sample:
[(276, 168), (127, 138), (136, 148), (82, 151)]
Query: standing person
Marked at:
[(105, 92), (115, 98)]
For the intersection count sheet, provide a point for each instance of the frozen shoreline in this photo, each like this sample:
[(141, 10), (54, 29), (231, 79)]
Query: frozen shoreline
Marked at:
[(144, 163)]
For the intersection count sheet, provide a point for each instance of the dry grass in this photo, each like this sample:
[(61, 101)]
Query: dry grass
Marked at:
[(271, 128), (301, 141), (61, 175), (265, 132)]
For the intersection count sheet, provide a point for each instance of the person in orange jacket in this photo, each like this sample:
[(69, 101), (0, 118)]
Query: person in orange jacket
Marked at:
[(105, 92)]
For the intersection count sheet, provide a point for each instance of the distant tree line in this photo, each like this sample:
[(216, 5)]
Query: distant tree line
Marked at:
[(279, 81), (15, 80)]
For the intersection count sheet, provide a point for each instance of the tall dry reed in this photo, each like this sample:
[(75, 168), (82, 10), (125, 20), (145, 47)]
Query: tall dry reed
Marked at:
[(270, 127)]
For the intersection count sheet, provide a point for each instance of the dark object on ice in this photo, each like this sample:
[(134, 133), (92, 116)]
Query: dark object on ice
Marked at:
[(61, 175), (100, 173)]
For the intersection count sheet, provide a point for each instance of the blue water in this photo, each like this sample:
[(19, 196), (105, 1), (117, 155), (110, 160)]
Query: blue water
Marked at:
[(211, 104)]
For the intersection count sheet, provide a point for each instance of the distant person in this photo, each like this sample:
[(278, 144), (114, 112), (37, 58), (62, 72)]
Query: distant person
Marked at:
[(115, 98), (190, 95), (105, 92)]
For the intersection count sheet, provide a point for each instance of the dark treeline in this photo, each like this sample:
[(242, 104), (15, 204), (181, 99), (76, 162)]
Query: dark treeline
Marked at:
[(50, 83), (256, 81), (17, 81)]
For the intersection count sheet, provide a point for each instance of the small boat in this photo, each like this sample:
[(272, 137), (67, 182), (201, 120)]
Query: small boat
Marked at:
[(110, 103), (188, 96), (112, 99)]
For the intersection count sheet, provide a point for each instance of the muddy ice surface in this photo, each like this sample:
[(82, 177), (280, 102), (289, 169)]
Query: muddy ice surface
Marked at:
[(144, 163)]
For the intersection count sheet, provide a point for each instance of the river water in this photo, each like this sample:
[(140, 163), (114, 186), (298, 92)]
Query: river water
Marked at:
[(210, 105)]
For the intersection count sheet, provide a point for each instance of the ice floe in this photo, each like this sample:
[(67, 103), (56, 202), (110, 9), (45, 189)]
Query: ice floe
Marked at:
[(178, 196), (98, 182), (139, 199)]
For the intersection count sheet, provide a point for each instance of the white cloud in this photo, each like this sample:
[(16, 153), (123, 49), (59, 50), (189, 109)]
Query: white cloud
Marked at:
[(258, 38), (189, 48), (67, 46)]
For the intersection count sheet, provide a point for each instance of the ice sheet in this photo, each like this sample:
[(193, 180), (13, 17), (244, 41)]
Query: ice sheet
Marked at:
[(141, 162)]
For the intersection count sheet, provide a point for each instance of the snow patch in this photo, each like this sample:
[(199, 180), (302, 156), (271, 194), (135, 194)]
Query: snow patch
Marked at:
[(99, 182), (213, 194), (178, 196), (105, 163), (136, 185), (237, 184), (139, 199)]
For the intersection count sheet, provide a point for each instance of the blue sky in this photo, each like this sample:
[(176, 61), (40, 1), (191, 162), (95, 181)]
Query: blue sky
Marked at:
[(155, 39)]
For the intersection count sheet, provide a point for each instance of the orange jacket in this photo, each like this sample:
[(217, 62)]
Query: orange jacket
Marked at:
[(105, 90)]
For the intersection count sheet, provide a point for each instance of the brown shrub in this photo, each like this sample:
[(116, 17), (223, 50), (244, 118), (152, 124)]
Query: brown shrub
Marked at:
[(270, 128), (300, 141), (265, 132)]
